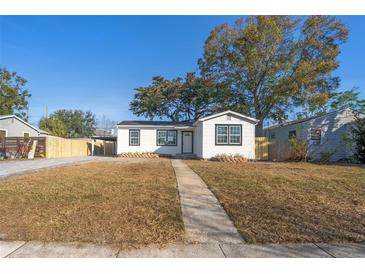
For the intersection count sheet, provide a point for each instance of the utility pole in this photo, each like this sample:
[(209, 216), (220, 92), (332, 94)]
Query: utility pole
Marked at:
[(46, 111)]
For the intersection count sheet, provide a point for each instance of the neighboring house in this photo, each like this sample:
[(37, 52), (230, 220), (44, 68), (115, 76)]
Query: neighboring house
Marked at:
[(222, 133), (13, 126), (325, 133)]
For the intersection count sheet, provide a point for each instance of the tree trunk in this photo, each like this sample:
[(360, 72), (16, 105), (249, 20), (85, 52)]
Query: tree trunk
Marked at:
[(259, 132)]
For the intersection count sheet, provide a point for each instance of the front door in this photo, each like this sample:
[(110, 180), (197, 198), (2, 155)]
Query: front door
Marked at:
[(187, 142)]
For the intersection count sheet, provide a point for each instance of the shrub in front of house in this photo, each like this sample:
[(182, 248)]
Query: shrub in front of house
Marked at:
[(298, 150), (358, 135), (326, 156), (229, 158), (139, 155)]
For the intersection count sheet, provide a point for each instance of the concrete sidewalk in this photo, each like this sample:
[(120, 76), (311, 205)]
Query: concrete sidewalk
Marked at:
[(35, 249), (204, 218), (13, 167)]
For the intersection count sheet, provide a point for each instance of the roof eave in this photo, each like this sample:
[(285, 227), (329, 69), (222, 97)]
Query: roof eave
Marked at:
[(184, 127), (299, 121), (255, 121), (154, 126), (29, 125)]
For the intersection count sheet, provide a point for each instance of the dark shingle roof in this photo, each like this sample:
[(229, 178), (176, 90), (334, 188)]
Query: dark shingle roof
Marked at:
[(154, 123)]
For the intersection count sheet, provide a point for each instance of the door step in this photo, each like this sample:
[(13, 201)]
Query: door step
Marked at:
[(186, 156)]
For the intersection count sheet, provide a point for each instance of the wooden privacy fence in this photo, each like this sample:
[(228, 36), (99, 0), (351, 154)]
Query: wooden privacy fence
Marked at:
[(12, 144), (61, 147), (274, 150), (278, 150), (262, 148), (55, 147)]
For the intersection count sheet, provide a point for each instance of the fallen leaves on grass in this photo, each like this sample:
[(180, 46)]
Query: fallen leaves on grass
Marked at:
[(290, 202), (115, 202)]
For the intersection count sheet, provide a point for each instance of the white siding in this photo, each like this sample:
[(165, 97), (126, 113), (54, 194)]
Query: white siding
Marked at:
[(198, 140), (210, 149), (147, 141), (16, 128)]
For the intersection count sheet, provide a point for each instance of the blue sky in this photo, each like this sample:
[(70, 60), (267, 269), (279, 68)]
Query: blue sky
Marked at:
[(95, 62)]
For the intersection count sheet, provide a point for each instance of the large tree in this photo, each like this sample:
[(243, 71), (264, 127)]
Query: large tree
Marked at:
[(347, 99), (275, 63), (180, 99), (13, 95), (53, 125), (337, 101), (70, 123)]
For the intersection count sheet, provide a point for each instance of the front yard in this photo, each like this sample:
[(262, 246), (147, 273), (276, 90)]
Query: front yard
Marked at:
[(134, 202), (122, 202), (290, 202)]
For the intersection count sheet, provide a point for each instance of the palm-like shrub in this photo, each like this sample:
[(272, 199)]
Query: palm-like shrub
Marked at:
[(298, 150)]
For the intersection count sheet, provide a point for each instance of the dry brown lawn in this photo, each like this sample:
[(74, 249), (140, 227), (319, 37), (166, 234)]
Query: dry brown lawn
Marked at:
[(290, 202), (133, 204)]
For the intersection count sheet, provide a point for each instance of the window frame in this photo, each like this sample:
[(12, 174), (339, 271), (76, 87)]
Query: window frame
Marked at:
[(316, 141), (166, 130), (290, 136), (228, 134), (139, 136), (26, 132), (6, 132), (216, 135)]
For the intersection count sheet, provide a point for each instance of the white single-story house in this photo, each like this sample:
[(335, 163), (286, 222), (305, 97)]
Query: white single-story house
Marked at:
[(226, 132), (13, 126)]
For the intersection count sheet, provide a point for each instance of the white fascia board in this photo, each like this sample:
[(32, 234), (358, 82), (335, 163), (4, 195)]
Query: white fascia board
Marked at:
[(224, 113), (184, 127)]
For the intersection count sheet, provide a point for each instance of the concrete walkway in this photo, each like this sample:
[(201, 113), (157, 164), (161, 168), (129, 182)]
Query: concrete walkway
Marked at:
[(13, 167), (36, 249), (204, 218)]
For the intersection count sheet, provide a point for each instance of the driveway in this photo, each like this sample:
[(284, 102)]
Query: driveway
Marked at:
[(20, 166)]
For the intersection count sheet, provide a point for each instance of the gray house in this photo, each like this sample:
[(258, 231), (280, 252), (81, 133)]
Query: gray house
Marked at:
[(13, 126), (325, 134)]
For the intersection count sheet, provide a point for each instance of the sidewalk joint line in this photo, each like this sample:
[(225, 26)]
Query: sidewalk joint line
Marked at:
[(16, 249), (117, 253), (224, 254), (324, 250)]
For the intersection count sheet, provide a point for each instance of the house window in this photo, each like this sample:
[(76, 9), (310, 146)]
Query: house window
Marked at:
[(292, 134), (166, 137), (2, 133), (26, 135), (134, 137), (228, 134), (235, 135), (222, 135), (315, 135)]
